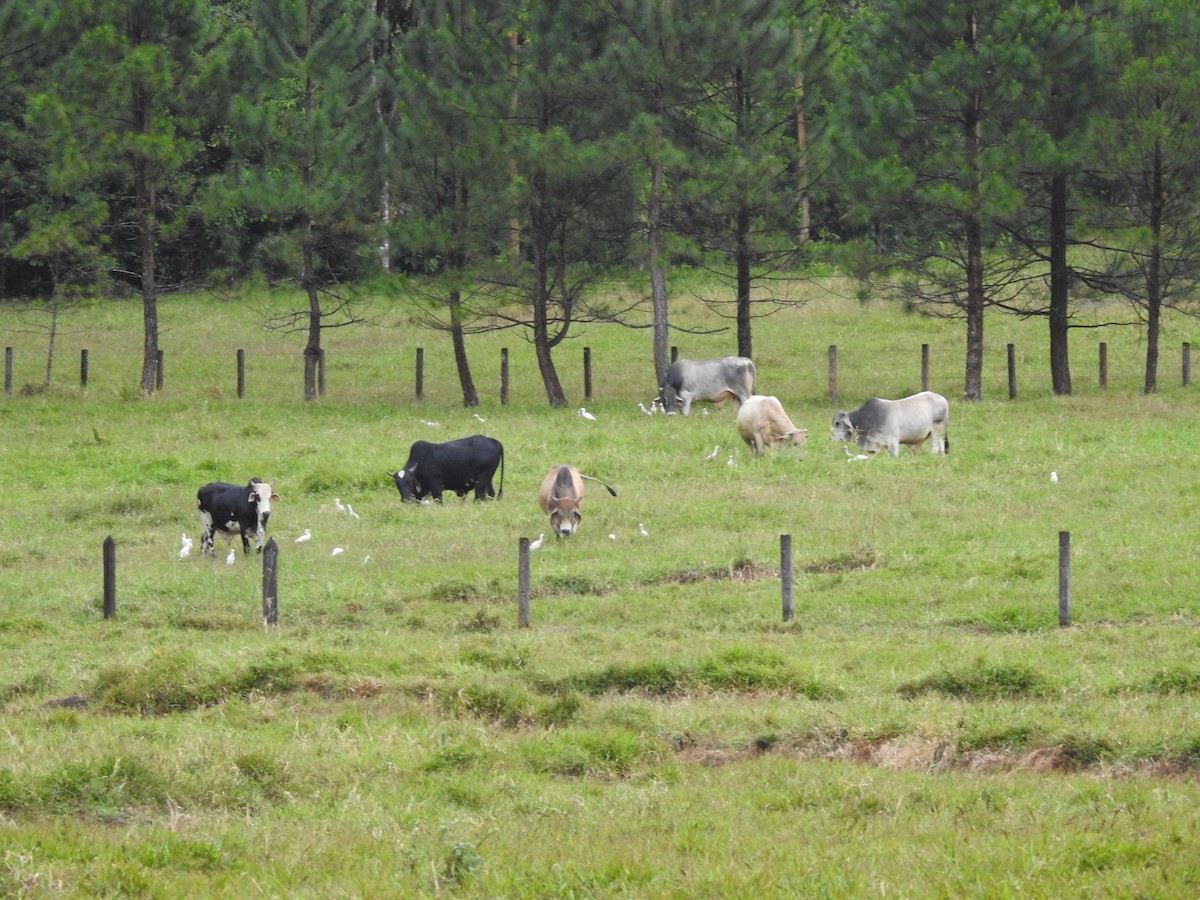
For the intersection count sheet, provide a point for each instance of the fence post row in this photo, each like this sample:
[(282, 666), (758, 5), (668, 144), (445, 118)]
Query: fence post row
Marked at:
[(523, 583), (833, 373), (785, 574), (503, 376), (270, 595), (160, 370), (110, 577), (1064, 579)]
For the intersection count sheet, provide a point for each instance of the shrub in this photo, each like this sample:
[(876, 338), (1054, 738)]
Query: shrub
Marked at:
[(981, 682)]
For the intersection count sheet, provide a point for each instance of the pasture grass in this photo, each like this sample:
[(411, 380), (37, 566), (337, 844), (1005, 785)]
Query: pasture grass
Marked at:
[(921, 726)]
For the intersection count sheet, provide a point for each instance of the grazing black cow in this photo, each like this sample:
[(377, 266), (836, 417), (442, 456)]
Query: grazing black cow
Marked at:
[(228, 508), (460, 466), (712, 380)]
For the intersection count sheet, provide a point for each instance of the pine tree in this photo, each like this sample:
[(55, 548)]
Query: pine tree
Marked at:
[(300, 135)]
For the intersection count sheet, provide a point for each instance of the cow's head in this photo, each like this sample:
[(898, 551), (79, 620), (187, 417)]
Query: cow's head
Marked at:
[(565, 515), (407, 484), (260, 496), (843, 429)]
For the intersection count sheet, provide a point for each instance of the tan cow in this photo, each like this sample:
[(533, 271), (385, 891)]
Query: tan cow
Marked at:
[(561, 496), (761, 421)]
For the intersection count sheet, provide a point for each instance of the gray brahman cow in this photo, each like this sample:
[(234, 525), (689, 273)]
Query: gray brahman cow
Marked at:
[(762, 421), (711, 380), (889, 423), (561, 496)]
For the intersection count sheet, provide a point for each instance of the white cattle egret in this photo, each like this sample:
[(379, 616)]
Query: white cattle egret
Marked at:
[(642, 407), (729, 462), (642, 530), (341, 507), (430, 424), (187, 546), (366, 559), (612, 537), (307, 536), (587, 415), (480, 418), (231, 558), (860, 456), (533, 545), (713, 455), (350, 509), (336, 551), (1054, 477)]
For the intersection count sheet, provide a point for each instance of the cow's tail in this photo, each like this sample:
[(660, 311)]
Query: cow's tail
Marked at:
[(500, 493), (598, 481)]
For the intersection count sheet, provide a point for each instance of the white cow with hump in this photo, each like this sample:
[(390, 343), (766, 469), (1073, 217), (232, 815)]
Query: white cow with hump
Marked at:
[(880, 423), (762, 421)]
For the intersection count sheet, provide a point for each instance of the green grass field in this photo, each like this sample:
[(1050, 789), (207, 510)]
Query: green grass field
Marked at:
[(922, 727)]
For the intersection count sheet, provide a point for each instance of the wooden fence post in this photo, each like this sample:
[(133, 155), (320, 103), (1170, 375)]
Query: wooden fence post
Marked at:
[(587, 373), (241, 373), (523, 583), (1103, 364), (785, 574), (1064, 579), (420, 372), (270, 595), (8, 363), (1012, 372), (110, 578), (924, 367), (503, 376), (833, 373), (1187, 363), (674, 353), (83, 368)]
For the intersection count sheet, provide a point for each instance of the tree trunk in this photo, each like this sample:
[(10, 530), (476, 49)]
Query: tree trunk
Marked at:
[(1154, 271), (147, 227), (470, 396), (312, 348), (55, 293), (658, 278), (1060, 368), (743, 260), (804, 230), (973, 388)]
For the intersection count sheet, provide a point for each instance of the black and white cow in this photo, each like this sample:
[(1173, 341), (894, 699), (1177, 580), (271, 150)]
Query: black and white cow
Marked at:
[(230, 508), (889, 423), (460, 466), (711, 380)]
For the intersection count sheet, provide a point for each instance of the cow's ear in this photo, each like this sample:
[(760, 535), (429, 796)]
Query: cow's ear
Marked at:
[(274, 496), (253, 497)]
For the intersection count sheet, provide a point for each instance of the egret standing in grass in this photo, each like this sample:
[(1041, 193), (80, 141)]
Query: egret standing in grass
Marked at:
[(587, 415), (534, 545), (187, 546), (307, 536), (231, 558)]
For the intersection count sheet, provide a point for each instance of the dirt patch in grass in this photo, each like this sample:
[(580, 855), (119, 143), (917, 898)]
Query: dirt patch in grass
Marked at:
[(933, 756), (740, 570)]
